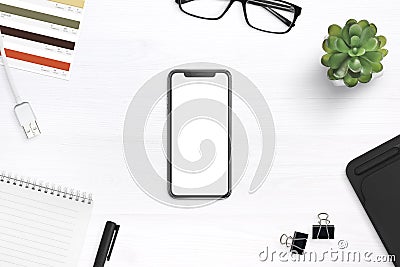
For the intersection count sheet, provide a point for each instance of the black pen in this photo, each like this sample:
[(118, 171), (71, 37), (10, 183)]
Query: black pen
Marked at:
[(106, 244)]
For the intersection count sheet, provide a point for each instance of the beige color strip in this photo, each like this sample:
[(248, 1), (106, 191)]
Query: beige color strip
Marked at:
[(75, 3)]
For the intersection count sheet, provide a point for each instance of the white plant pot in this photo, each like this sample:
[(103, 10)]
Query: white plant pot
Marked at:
[(340, 83)]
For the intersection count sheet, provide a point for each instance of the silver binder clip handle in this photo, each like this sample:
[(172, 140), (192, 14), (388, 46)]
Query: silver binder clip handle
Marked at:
[(286, 240), (323, 221)]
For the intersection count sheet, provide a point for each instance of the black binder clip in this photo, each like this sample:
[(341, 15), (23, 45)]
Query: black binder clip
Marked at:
[(323, 230), (297, 243)]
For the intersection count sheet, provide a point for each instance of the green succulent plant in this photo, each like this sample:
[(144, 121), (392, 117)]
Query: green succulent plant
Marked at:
[(354, 52)]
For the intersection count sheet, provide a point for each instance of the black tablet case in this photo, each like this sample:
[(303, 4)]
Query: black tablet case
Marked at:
[(375, 177)]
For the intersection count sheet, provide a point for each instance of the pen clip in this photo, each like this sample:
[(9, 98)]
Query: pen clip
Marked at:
[(113, 242)]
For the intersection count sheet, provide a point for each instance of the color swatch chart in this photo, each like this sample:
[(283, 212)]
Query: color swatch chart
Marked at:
[(40, 35)]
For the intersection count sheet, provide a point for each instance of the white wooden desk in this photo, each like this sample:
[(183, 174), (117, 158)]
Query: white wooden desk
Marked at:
[(319, 129)]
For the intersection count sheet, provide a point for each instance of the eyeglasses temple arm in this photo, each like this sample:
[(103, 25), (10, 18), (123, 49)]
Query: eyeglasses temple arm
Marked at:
[(267, 6), (276, 5), (183, 1)]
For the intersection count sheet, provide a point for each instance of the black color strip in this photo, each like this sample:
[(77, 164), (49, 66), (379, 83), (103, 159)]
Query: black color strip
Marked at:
[(37, 38)]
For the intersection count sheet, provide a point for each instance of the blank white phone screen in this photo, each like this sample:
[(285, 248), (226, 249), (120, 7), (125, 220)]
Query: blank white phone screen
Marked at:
[(199, 135)]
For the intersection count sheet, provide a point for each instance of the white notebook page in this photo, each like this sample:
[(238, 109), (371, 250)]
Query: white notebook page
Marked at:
[(40, 229)]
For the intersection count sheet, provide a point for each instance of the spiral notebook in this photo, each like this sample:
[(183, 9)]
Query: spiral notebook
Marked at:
[(41, 224)]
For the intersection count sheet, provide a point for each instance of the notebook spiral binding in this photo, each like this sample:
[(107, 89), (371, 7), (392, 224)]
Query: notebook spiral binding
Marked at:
[(47, 188)]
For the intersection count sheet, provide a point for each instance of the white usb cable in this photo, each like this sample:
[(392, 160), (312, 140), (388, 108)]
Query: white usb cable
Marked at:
[(23, 110)]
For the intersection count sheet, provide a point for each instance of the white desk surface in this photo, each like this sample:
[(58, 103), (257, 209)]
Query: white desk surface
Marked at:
[(319, 128)]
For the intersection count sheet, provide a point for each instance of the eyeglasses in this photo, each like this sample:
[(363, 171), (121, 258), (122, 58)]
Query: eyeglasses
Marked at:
[(273, 16)]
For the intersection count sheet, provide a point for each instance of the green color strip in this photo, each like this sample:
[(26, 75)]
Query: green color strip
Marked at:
[(39, 16)]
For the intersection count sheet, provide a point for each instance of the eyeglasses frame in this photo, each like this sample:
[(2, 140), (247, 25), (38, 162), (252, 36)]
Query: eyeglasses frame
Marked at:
[(297, 12)]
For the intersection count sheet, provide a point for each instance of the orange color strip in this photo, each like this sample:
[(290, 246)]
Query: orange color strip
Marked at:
[(38, 60)]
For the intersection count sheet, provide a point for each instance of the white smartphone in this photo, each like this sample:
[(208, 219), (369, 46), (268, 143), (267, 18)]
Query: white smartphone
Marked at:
[(199, 132)]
